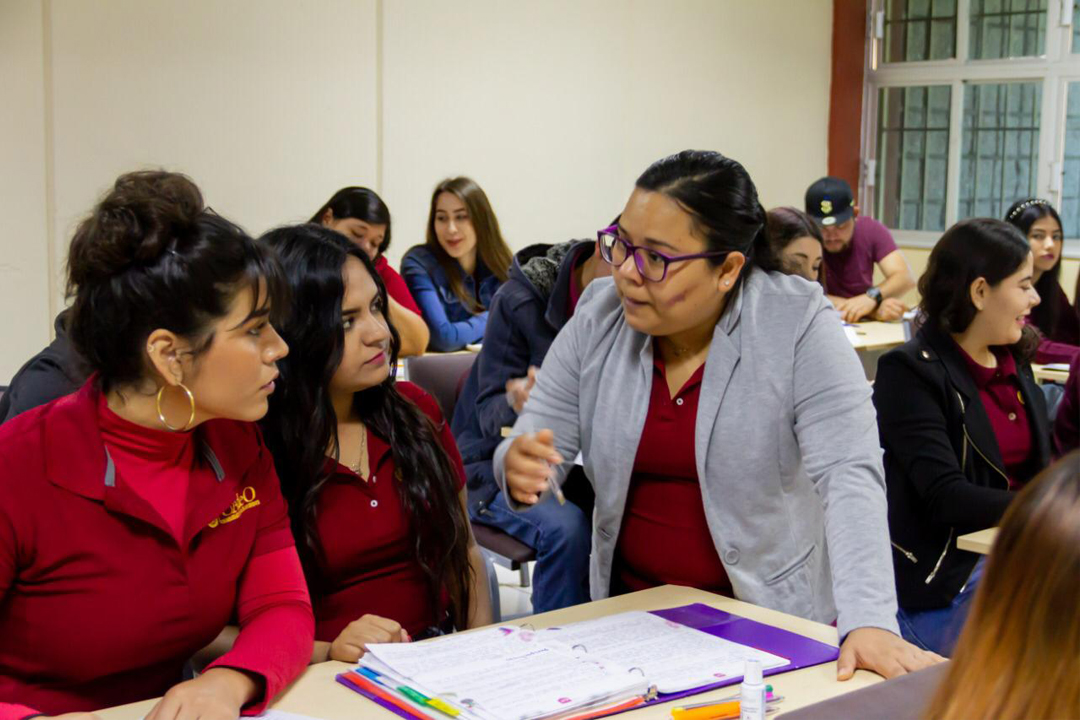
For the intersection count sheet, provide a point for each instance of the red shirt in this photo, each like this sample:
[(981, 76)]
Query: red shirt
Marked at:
[(850, 272), (100, 603), (665, 538), (999, 391), (395, 285), (368, 565)]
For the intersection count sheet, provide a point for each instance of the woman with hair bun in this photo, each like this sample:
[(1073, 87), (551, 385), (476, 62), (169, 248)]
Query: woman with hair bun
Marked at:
[(758, 417), (156, 464)]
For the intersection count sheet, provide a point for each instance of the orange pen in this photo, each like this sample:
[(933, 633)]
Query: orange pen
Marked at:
[(719, 711)]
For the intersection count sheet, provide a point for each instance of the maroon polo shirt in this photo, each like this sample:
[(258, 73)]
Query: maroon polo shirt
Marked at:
[(850, 272), (999, 391), (366, 534), (101, 603), (664, 537)]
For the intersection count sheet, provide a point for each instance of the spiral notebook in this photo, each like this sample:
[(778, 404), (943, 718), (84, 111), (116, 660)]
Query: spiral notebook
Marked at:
[(586, 669)]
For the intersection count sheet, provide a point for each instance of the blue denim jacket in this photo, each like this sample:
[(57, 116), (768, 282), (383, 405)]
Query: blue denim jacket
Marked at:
[(452, 325)]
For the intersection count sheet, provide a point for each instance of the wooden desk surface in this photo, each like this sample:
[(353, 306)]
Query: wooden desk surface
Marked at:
[(876, 335), (1045, 374), (979, 542), (316, 694)]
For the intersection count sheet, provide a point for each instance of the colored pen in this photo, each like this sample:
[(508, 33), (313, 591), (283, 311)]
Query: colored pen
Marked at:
[(418, 697), (415, 695), (716, 711), (769, 697), (366, 684)]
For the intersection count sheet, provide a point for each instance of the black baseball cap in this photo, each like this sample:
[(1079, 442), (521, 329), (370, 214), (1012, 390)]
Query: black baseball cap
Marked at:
[(830, 201)]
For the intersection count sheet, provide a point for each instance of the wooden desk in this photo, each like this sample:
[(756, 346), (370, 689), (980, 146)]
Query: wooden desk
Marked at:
[(316, 694), (1045, 374), (876, 335), (978, 542)]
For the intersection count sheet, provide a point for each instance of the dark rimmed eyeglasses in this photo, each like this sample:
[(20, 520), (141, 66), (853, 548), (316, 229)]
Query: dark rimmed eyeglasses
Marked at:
[(652, 264)]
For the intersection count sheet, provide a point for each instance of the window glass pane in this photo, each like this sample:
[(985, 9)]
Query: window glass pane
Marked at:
[(913, 151), (999, 146), (1070, 186), (919, 30), (1007, 28)]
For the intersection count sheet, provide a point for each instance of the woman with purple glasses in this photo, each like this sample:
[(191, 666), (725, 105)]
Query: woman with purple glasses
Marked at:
[(722, 417)]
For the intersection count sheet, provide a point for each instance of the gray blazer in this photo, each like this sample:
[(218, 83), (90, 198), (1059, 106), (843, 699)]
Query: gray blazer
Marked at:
[(786, 445)]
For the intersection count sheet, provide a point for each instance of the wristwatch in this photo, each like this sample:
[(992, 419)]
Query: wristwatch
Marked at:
[(875, 295)]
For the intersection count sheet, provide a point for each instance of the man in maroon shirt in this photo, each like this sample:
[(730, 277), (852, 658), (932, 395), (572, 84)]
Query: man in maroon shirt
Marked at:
[(853, 245)]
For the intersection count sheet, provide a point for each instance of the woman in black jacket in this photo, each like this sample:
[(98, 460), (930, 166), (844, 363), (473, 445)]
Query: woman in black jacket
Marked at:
[(961, 419)]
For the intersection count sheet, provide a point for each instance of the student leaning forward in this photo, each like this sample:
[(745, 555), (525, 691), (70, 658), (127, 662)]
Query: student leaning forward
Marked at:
[(722, 418), (141, 514)]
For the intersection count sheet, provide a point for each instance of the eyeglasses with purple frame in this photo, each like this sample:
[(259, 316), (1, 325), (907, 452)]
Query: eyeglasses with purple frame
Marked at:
[(607, 247)]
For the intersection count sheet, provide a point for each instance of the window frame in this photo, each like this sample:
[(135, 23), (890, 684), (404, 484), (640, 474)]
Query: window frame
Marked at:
[(1054, 70)]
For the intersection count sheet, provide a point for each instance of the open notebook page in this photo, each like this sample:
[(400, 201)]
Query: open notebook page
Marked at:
[(508, 673), (673, 657)]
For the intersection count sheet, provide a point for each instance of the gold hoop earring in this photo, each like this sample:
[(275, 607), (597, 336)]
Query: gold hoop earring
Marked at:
[(191, 401)]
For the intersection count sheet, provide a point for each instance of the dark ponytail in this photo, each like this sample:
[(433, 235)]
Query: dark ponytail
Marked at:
[(721, 198), (152, 256)]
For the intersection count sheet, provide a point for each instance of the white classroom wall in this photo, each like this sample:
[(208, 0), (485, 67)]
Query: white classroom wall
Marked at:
[(271, 105)]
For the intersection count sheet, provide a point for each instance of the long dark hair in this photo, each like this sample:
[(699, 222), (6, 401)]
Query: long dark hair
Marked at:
[(360, 203), (970, 249), (149, 256), (721, 198), (301, 424), (1023, 215), (491, 249)]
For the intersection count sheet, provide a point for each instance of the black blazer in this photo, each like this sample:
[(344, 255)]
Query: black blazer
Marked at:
[(943, 469)]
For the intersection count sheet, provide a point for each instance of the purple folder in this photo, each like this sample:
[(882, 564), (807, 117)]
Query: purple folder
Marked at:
[(800, 650)]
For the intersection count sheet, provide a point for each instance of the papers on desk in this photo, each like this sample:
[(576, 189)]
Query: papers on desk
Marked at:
[(515, 673), (1060, 367), (851, 333)]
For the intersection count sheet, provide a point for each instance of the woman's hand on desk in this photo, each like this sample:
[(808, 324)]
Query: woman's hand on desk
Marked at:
[(217, 694), (528, 465), (352, 643), (882, 652)]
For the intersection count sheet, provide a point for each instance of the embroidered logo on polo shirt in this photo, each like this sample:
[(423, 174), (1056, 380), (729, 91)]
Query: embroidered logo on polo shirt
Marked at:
[(245, 500)]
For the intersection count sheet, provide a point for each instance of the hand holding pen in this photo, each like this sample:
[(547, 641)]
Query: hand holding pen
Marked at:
[(530, 467)]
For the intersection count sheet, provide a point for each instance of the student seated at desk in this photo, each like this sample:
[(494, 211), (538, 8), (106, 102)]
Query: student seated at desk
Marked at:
[(962, 422), (706, 395), (1067, 423), (1055, 317), (141, 514), (1018, 657), (373, 478), (455, 273), (526, 314), (52, 373), (360, 215), (853, 244), (1018, 653), (797, 242)]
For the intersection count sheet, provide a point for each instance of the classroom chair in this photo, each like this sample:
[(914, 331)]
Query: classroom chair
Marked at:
[(442, 375)]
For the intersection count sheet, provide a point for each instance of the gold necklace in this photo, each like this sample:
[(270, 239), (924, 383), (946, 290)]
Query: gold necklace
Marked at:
[(363, 452)]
